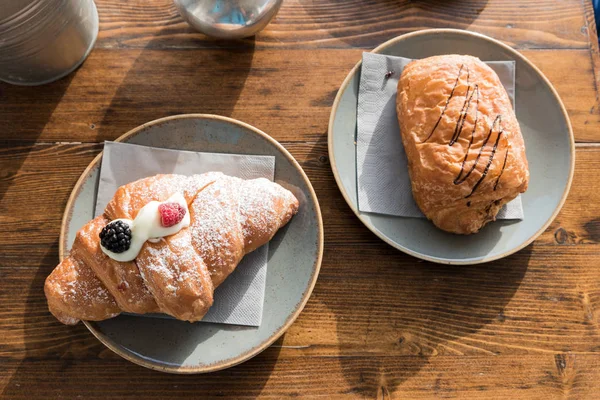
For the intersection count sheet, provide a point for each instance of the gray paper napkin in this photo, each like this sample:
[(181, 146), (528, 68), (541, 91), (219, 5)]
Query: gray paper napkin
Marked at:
[(239, 300), (382, 171)]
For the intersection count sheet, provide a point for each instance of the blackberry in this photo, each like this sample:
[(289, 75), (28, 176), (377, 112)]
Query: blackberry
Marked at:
[(116, 237)]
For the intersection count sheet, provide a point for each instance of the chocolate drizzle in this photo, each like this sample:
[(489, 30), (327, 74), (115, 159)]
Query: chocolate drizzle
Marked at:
[(448, 100), (489, 163), (458, 179), (464, 112), (502, 170)]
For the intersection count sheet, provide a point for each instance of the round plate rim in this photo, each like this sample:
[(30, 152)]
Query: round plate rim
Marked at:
[(440, 260), (280, 331)]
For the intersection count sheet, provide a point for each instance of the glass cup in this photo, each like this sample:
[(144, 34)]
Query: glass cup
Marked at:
[(44, 40)]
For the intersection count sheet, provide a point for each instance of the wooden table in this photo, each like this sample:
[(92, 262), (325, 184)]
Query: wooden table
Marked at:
[(380, 324)]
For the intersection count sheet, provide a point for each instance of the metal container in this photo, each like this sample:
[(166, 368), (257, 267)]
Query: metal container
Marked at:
[(44, 40), (228, 19)]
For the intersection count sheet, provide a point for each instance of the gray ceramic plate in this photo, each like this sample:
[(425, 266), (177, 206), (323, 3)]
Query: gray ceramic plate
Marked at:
[(295, 255), (548, 139)]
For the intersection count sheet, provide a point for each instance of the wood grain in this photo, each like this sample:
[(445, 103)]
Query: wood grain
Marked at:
[(118, 90), (354, 23), (380, 324), (279, 373)]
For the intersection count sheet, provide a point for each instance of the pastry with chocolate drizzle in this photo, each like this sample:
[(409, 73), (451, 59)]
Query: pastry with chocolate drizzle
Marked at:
[(466, 155)]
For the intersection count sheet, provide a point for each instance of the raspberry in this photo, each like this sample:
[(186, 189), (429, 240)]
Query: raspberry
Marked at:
[(171, 214)]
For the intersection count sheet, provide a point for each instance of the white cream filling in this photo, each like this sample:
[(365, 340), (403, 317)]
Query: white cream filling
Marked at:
[(146, 227)]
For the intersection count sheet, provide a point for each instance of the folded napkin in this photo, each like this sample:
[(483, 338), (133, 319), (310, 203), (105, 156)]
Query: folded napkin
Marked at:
[(382, 170), (239, 300)]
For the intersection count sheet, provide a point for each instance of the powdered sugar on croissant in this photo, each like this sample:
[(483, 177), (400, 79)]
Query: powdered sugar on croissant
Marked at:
[(177, 275)]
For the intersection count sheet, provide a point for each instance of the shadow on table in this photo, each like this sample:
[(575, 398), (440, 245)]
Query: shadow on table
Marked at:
[(24, 112), (68, 362), (376, 21), (393, 312), (431, 308), (163, 82)]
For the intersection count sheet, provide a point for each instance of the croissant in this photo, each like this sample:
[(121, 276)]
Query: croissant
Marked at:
[(176, 275), (466, 156)]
